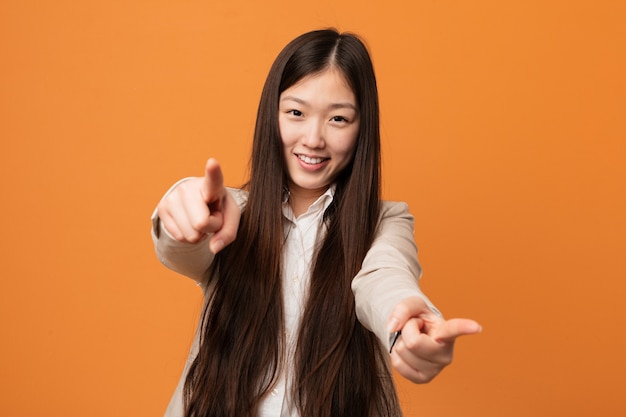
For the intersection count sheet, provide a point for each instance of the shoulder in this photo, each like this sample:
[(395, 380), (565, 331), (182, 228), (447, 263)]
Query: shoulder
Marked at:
[(395, 221), (390, 209)]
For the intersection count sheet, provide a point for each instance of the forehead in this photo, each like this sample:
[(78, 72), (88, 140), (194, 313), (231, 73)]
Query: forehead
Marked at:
[(330, 84)]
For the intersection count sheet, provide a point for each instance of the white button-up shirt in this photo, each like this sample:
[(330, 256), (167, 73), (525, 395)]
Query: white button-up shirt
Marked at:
[(302, 236)]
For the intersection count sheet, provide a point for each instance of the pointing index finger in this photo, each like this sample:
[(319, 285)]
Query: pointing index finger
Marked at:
[(213, 184)]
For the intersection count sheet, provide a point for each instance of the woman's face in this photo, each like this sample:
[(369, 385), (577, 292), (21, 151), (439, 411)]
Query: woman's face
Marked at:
[(319, 125)]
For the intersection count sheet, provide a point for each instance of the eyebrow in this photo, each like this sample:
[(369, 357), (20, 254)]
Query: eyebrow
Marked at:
[(341, 105)]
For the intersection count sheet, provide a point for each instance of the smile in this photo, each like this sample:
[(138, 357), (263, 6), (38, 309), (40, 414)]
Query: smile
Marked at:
[(311, 161)]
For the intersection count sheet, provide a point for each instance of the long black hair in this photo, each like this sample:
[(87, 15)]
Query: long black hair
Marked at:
[(339, 366)]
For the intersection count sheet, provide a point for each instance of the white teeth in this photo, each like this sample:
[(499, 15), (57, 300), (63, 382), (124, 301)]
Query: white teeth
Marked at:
[(310, 161)]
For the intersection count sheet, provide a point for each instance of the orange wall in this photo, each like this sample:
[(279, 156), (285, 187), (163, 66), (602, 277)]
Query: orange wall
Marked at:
[(503, 127)]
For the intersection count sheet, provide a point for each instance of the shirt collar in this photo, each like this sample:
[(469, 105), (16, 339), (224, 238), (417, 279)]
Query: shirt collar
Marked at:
[(321, 204)]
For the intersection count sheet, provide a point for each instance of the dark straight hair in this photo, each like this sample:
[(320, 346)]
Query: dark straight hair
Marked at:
[(340, 368)]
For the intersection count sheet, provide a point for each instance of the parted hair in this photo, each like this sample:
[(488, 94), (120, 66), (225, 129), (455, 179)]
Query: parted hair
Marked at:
[(340, 367)]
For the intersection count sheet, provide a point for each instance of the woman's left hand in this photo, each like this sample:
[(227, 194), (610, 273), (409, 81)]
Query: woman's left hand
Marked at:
[(426, 343)]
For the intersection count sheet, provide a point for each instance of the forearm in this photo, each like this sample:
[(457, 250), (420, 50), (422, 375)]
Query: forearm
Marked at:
[(390, 272)]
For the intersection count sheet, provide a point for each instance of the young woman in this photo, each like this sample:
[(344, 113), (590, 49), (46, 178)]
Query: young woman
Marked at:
[(308, 277)]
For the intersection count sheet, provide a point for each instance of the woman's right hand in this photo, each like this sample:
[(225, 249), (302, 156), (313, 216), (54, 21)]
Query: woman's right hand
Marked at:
[(201, 206)]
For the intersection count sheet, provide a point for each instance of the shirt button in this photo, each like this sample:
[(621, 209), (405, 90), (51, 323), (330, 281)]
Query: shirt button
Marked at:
[(274, 392), (296, 279)]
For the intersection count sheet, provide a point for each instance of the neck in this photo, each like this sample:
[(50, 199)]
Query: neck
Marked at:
[(300, 199)]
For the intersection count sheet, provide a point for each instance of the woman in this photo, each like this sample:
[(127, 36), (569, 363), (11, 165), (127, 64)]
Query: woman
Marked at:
[(312, 273)]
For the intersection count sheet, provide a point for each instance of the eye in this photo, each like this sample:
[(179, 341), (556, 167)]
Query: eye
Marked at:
[(339, 119), (295, 112)]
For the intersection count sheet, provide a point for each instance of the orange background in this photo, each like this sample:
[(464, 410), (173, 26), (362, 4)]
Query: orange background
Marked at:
[(503, 127)]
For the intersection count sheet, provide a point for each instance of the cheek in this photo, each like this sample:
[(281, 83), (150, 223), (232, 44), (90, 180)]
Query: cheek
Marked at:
[(286, 134), (346, 146)]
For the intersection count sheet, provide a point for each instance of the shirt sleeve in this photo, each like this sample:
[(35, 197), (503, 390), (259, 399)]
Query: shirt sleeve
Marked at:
[(189, 259), (390, 271)]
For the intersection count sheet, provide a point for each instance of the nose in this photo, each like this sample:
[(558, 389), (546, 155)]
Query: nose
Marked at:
[(313, 135)]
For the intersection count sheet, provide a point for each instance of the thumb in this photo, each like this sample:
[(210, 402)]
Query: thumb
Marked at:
[(212, 187), (404, 310)]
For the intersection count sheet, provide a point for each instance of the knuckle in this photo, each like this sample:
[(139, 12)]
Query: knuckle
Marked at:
[(198, 224), (162, 208), (176, 234), (411, 343), (396, 362), (192, 237), (446, 360), (425, 378)]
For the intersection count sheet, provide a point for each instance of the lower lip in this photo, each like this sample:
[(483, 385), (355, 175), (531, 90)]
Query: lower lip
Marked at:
[(312, 167)]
